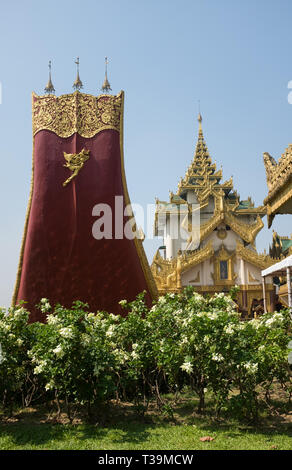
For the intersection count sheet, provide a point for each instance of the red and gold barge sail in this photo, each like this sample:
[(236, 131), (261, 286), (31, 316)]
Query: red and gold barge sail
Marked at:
[(78, 163)]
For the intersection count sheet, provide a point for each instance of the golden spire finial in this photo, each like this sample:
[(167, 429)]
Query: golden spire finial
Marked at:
[(200, 119), (50, 87), (77, 85), (106, 88)]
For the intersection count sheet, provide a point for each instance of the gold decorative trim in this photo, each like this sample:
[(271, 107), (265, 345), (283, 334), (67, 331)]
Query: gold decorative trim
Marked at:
[(221, 233), (77, 112), (20, 262), (223, 255), (246, 231), (138, 242), (277, 174), (223, 213), (260, 260), (167, 273), (276, 201)]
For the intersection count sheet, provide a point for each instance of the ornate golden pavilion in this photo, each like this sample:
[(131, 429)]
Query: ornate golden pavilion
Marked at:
[(224, 254), (279, 201), (279, 181)]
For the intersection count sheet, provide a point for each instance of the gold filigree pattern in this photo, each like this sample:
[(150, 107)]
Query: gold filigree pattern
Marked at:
[(74, 162), (224, 255), (167, 273), (278, 173), (262, 261), (77, 112), (247, 231)]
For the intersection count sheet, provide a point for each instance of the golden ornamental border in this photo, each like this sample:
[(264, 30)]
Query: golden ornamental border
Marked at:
[(77, 112)]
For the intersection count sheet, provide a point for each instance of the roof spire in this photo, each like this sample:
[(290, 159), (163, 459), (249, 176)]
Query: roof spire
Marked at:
[(200, 119), (77, 85), (50, 87), (106, 88), (201, 147)]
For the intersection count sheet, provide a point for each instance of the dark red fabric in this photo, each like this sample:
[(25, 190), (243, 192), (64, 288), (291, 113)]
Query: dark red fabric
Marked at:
[(62, 260)]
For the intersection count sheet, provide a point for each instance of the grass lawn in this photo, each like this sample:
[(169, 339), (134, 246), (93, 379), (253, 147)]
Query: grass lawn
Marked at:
[(119, 427)]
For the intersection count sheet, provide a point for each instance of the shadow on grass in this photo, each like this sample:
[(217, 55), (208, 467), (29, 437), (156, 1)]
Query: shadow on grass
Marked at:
[(118, 425), (34, 428), (22, 435)]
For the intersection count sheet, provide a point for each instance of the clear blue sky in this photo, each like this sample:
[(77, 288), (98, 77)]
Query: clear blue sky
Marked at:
[(234, 56)]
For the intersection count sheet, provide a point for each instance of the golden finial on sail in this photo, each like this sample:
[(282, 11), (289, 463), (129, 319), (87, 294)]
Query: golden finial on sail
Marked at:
[(106, 88), (77, 85), (50, 87)]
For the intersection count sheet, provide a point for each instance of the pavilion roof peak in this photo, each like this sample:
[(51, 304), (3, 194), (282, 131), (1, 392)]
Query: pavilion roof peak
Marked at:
[(201, 168)]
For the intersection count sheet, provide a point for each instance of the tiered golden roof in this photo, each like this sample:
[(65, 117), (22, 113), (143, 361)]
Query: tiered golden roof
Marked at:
[(201, 175), (279, 181), (228, 212), (204, 179)]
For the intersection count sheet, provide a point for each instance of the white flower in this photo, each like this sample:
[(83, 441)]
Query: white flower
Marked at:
[(185, 322), (123, 302), (38, 369), (229, 329), (187, 366), (217, 357), (121, 356), (50, 385), (184, 340), (58, 351), (19, 342), (1, 355), (134, 355), (110, 331), (85, 339), (4, 326), (212, 316), (52, 320), (45, 305), (19, 312), (115, 318), (66, 332), (134, 346), (251, 367), (255, 323)]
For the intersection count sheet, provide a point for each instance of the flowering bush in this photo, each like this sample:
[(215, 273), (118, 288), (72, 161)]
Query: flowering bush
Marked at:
[(14, 363), (184, 339), (206, 339), (75, 354)]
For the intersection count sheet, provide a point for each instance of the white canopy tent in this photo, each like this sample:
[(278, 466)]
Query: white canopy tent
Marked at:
[(279, 269)]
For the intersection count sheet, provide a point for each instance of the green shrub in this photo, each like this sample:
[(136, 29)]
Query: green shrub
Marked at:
[(183, 340), (14, 362)]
